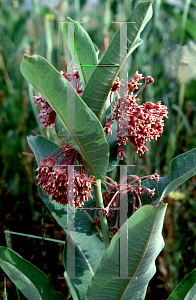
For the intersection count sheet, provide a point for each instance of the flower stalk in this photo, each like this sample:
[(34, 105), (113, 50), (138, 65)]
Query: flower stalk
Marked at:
[(103, 220)]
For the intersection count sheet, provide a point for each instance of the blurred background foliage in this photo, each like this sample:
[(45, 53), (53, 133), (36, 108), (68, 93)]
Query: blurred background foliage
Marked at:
[(168, 53)]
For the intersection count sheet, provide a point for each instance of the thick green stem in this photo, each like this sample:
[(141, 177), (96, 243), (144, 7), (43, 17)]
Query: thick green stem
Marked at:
[(103, 220)]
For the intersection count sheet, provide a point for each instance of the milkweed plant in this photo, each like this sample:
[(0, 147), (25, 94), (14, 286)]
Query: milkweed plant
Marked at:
[(113, 229)]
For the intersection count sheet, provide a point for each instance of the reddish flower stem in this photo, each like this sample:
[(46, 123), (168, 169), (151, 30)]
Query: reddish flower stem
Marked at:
[(112, 199)]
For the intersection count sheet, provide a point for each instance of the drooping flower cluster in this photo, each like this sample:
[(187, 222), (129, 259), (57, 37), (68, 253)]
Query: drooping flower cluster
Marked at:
[(56, 179), (115, 192), (47, 114), (138, 123)]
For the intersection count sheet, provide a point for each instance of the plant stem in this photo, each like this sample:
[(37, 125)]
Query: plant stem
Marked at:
[(103, 220)]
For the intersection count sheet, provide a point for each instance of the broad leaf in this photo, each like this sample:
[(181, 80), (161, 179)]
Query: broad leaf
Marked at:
[(81, 122), (88, 253), (63, 134), (100, 83), (83, 52), (186, 290), (144, 244), (181, 168), (87, 257), (42, 148), (32, 282)]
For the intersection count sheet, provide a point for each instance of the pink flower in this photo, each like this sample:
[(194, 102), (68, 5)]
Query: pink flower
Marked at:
[(54, 179), (146, 123), (133, 82), (96, 221), (117, 84), (108, 127), (47, 114), (74, 79), (114, 229), (82, 185), (121, 144), (138, 123), (155, 177)]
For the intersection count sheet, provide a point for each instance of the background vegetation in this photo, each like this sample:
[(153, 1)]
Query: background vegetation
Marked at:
[(168, 53)]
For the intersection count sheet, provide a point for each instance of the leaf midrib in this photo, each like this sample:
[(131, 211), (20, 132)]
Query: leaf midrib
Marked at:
[(141, 258), (18, 270), (81, 148)]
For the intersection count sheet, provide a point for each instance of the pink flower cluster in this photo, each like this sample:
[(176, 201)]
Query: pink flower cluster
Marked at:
[(146, 123), (47, 114), (138, 123), (55, 181), (74, 78)]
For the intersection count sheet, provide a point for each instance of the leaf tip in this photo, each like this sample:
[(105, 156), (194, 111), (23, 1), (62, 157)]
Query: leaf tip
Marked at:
[(70, 20), (27, 57)]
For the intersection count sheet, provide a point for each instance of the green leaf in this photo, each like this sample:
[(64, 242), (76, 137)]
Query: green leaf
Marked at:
[(89, 247), (186, 290), (32, 282), (100, 83), (84, 127), (88, 253), (144, 244), (84, 51), (42, 148), (181, 168)]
